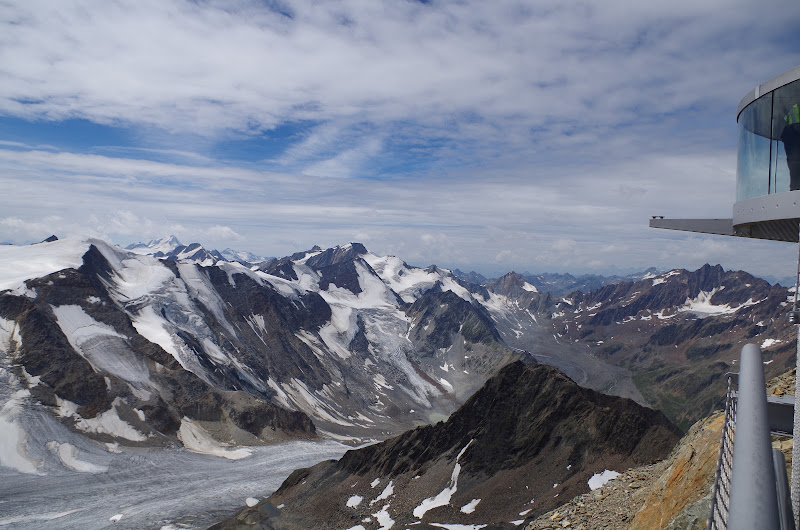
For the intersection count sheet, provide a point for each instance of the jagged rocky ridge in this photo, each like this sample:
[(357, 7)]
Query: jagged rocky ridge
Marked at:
[(679, 332), (524, 443), (130, 348)]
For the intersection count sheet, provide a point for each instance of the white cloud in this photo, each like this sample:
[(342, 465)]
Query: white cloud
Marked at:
[(543, 134), (224, 233)]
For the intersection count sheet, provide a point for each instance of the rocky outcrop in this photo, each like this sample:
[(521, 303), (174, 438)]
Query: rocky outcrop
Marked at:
[(674, 494), (528, 437), (671, 494)]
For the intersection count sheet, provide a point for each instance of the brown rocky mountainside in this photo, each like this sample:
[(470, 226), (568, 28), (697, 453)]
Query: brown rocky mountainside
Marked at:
[(527, 440), (678, 333), (674, 494)]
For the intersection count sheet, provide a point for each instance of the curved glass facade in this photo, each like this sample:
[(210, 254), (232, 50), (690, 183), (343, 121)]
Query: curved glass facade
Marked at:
[(769, 144)]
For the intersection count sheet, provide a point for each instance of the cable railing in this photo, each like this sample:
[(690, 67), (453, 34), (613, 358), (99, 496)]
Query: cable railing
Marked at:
[(750, 487), (720, 497)]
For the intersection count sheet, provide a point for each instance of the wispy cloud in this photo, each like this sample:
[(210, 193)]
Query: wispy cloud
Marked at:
[(459, 132)]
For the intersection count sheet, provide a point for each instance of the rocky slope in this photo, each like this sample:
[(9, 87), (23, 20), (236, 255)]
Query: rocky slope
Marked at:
[(672, 494), (529, 438), (674, 335)]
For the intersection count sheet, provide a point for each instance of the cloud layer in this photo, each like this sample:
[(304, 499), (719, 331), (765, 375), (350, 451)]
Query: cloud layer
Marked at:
[(493, 134)]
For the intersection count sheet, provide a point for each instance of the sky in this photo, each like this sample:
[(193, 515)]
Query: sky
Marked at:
[(535, 136)]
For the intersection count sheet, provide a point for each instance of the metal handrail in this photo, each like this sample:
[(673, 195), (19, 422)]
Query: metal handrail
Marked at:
[(720, 498), (746, 489)]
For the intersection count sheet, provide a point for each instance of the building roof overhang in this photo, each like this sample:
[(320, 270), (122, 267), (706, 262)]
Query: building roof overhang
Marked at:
[(775, 217), (776, 82)]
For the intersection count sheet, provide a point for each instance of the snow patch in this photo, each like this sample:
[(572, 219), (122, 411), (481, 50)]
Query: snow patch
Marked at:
[(470, 506), (769, 342), (197, 440), (354, 501), (459, 526), (385, 494), (68, 454), (383, 518), (701, 305), (108, 422), (599, 480), (444, 496), (445, 383)]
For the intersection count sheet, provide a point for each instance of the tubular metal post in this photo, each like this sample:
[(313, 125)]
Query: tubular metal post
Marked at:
[(796, 428), (784, 502), (754, 501), (795, 444)]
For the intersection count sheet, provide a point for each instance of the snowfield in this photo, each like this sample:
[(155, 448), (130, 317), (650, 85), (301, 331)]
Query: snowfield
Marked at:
[(20, 263)]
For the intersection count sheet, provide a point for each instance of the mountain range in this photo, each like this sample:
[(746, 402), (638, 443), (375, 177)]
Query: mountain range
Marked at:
[(165, 344)]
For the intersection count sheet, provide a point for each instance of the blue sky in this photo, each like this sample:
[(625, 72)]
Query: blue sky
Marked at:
[(534, 136)]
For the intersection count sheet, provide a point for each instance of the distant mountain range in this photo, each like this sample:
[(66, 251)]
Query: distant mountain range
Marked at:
[(172, 249), (167, 343)]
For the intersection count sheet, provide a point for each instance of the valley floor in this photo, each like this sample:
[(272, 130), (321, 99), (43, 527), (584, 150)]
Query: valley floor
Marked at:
[(152, 488), (576, 360)]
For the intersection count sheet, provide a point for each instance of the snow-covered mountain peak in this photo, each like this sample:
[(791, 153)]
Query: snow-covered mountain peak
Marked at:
[(24, 262), (164, 245)]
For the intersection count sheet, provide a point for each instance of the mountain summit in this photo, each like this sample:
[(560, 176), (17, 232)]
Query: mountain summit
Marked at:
[(528, 440)]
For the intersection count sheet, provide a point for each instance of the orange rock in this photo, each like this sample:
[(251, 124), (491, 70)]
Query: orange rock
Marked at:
[(688, 478)]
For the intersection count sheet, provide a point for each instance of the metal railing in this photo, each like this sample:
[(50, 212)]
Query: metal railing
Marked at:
[(746, 492), (720, 498)]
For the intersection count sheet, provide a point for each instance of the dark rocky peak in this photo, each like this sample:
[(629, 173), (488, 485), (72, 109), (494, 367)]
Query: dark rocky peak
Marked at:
[(512, 285), (471, 277), (705, 278), (300, 255), (342, 274), (50, 239), (529, 433), (439, 315), (435, 269), (524, 411), (648, 272), (336, 255), (191, 252), (282, 268), (96, 268)]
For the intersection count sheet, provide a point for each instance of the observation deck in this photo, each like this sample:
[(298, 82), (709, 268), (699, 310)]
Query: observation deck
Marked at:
[(751, 488), (768, 167)]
